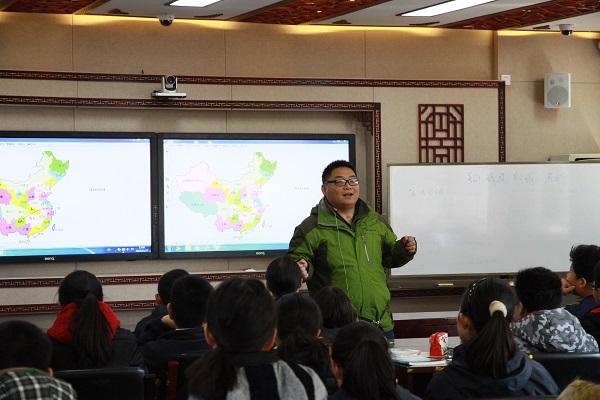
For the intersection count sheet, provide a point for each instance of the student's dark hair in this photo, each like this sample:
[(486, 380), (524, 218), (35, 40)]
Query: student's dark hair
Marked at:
[(336, 164), (493, 345), (189, 295), (283, 276), (335, 306), (241, 316), (361, 350), (165, 283), (92, 338), (538, 288), (24, 345), (298, 323), (583, 258)]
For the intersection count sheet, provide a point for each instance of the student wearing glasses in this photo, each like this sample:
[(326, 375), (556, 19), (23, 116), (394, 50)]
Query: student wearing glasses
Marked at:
[(345, 243)]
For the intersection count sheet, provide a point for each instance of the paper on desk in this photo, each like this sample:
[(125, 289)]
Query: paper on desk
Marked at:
[(415, 358)]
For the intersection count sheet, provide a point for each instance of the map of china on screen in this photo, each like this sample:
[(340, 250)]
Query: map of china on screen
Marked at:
[(237, 195), (74, 196)]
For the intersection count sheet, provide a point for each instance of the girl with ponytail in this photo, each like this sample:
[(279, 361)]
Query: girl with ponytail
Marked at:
[(240, 326), (488, 362), (87, 333)]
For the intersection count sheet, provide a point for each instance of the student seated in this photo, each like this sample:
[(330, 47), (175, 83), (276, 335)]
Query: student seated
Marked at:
[(298, 327), (283, 276), (336, 309), (162, 298), (25, 371), (543, 324), (580, 275), (241, 326), (184, 333), (591, 320), (580, 389), (87, 333), (362, 366), (488, 363)]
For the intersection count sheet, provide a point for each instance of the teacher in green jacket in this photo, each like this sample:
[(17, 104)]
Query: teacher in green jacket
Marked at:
[(344, 243)]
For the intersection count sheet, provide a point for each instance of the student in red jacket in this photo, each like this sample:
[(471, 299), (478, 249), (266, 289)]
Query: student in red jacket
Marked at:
[(87, 333)]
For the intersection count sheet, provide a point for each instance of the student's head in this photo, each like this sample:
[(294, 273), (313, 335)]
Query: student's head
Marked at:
[(299, 325), (240, 315), (283, 276), (361, 362), (189, 295), (240, 319), (335, 306), (165, 283), (24, 345), (596, 290), (80, 293), (580, 389), (486, 312), (344, 196), (538, 288), (77, 286), (583, 259), (298, 314)]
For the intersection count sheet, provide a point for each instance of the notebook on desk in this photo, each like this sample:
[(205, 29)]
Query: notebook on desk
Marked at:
[(416, 358)]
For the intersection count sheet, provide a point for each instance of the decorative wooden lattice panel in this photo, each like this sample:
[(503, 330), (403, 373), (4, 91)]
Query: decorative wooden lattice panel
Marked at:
[(441, 133)]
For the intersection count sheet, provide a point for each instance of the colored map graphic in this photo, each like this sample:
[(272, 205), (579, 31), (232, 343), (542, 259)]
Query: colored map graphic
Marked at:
[(24, 206), (236, 205)]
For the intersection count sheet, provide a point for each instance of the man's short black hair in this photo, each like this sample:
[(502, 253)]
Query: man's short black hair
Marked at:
[(538, 288), (23, 344), (336, 164), (166, 282), (189, 296), (583, 258)]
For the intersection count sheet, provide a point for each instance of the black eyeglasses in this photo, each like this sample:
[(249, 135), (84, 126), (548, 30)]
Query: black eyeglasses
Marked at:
[(592, 285), (342, 182)]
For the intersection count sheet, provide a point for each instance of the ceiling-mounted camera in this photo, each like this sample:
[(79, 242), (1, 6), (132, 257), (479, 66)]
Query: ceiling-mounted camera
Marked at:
[(168, 88), (166, 19), (566, 29)]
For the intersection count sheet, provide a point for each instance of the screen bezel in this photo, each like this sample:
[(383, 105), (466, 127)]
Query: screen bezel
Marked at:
[(153, 197), (231, 136)]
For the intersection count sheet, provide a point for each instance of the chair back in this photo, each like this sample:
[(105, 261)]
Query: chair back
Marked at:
[(126, 383), (565, 367), (176, 377)]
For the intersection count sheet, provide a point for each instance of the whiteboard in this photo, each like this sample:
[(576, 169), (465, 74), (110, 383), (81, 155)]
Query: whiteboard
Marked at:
[(494, 218)]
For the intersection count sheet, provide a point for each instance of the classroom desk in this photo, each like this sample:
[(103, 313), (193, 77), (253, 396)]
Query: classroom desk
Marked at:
[(423, 324), (416, 378)]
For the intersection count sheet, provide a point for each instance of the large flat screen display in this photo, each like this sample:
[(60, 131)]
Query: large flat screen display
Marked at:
[(77, 196), (240, 195)]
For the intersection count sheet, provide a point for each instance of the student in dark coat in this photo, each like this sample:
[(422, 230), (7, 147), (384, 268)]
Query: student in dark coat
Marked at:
[(87, 333), (488, 362), (581, 274), (162, 298), (591, 320), (185, 334)]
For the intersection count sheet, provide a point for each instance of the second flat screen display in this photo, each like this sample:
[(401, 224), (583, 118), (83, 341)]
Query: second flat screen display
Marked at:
[(240, 195)]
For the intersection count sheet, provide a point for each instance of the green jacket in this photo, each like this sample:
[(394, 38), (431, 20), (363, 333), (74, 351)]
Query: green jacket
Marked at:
[(352, 258)]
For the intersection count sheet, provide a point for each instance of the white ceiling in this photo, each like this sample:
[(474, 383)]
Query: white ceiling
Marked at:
[(383, 14)]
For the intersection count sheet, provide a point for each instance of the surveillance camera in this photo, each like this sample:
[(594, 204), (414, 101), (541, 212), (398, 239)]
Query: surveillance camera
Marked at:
[(168, 88), (169, 83), (566, 29), (166, 19)]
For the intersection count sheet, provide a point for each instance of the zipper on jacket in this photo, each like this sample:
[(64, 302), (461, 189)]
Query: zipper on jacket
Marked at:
[(362, 235)]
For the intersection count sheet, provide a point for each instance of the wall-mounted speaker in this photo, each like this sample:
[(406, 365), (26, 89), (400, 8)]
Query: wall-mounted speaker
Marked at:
[(557, 90)]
